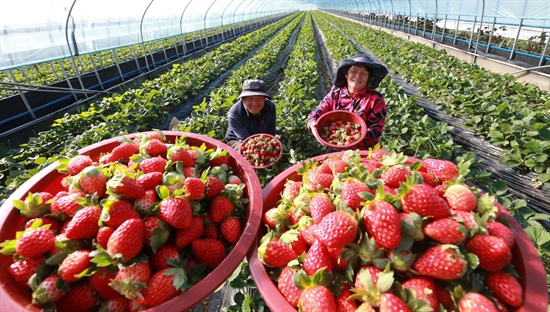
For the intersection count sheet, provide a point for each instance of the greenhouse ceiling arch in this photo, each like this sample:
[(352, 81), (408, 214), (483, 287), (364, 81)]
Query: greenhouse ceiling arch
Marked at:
[(36, 31)]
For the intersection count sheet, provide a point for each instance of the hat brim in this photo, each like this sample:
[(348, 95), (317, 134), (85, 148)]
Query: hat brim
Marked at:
[(252, 93), (377, 72)]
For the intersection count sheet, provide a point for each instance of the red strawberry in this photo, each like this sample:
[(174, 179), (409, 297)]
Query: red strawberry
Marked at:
[(286, 286), (146, 203), (500, 230), (466, 218), (365, 307), (118, 211), (21, 270), (339, 262), (378, 154), (446, 231), (179, 153), (276, 254), (35, 205), (317, 179), (424, 288), (103, 235), (429, 179), (319, 206), (127, 240), (66, 203), (337, 165), (54, 224), (194, 188), (34, 242), (292, 189), (233, 179), (317, 257), (344, 303), (350, 192), (100, 282), (492, 251), (125, 187), (210, 228), (445, 263), (382, 221), (374, 273), (93, 181), (220, 208), (391, 303), (460, 197), (159, 261), (337, 229), (84, 224), (443, 170), (47, 291), (160, 289), (156, 232), (119, 304), (475, 302), (230, 228), (153, 164), (123, 152), (394, 175), (149, 181), (184, 237), (176, 211), (189, 172), (214, 187), (219, 158), (155, 147), (209, 251), (78, 163), (317, 298), (80, 297), (505, 287), (422, 199), (74, 264), (130, 280)]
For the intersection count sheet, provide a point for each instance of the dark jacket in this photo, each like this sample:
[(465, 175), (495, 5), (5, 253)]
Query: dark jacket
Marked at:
[(242, 124)]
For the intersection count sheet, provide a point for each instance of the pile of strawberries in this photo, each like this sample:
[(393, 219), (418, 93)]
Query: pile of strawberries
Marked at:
[(380, 231), (130, 230), (341, 133), (261, 150)]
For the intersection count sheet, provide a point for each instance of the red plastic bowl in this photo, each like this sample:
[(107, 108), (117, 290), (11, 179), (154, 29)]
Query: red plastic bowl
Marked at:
[(268, 136), (344, 116), (13, 298), (526, 259)]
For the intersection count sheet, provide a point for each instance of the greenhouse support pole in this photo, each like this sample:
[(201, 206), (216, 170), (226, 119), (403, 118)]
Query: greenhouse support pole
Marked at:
[(244, 16), (205, 14), (392, 15), (141, 34), (416, 24), (73, 63), (434, 28), (183, 40), (424, 26), (480, 29), (96, 72), (472, 33), (223, 13), (257, 19), (543, 55), (22, 95), (117, 63), (444, 27), (410, 17), (456, 29), (513, 52), (235, 13), (379, 10), (491, 35)]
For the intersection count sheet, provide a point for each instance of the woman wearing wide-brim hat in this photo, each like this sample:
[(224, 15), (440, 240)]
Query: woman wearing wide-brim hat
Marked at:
[(253, 113), (354, 90)]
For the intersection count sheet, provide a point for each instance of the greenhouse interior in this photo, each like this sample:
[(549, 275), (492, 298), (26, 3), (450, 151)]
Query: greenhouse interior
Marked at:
[(405, 165)]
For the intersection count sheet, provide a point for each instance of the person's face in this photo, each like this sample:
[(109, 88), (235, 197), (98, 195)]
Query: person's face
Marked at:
[(357, 77), (254, 103)]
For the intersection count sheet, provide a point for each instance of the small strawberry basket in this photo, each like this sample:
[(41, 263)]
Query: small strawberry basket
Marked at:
[(340, 130), (262, 150), (238, 176), (278, 287)]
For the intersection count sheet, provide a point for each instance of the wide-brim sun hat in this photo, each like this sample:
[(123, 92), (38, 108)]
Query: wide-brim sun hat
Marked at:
[(253, 87), (377, 72)]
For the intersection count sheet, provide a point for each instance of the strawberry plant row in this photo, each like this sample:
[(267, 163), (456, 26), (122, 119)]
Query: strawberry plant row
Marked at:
[(133, 111), (508, 114), (411, 131)]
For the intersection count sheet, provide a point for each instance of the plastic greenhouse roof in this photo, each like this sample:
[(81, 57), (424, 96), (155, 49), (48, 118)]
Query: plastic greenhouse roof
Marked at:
[(38, 30)]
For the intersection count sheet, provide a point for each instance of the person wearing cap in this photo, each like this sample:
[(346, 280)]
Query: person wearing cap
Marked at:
[(253, 113), (354, 90)]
